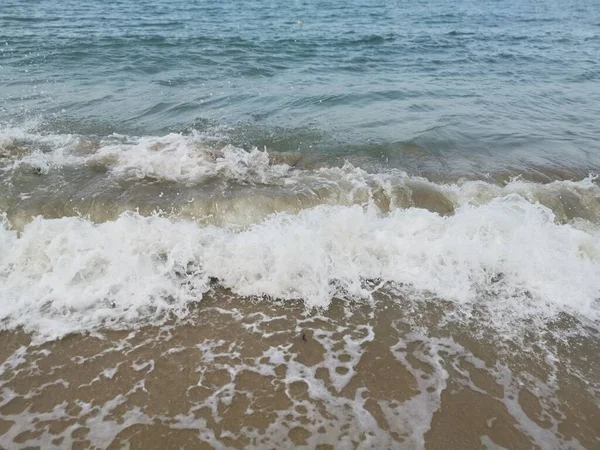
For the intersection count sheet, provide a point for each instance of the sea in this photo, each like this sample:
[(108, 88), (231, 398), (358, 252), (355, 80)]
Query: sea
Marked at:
[(307, 224)]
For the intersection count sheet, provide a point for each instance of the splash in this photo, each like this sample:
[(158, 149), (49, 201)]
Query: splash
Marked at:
[(69, 274)]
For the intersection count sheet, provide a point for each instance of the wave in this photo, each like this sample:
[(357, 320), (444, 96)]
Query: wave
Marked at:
[(118, 231), (69, 274), (195, 177)]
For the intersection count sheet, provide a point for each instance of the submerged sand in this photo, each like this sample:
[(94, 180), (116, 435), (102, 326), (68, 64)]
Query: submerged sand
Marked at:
[(241, 373)]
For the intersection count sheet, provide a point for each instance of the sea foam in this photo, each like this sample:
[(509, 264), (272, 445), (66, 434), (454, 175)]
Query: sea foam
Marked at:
[(69, 274)]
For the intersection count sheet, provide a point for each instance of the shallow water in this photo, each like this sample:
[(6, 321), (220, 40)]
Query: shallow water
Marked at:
[(303, 225), (253, 374)]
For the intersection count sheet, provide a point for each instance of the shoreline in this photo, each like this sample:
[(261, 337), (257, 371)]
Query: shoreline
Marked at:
[(240, 373)]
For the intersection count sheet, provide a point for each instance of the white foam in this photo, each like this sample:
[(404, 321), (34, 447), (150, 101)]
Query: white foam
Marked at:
[(69, 274), (173, 157), (26, 133)]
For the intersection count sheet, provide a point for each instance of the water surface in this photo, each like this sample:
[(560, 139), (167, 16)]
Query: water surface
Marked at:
[(304, 224)]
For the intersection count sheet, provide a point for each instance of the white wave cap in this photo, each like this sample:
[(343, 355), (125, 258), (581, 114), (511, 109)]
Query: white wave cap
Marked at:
[(174, 157), (69, 274)]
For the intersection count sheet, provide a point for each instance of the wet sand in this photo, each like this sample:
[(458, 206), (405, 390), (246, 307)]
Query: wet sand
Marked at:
[(242, 373)]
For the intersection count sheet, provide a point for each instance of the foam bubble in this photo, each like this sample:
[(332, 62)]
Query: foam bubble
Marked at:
[(183, 158), (69, 274), (173, 157)]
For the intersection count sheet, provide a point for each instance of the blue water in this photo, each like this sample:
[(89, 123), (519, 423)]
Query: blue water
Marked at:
[(442, 86)]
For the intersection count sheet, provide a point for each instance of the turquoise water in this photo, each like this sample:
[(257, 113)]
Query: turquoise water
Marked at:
[(447, 87)]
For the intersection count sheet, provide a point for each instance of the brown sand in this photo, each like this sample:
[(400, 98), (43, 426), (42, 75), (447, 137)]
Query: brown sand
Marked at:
[(244, 373)]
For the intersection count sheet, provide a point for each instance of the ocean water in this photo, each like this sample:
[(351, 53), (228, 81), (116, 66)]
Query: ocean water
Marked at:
[(304, 224)]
